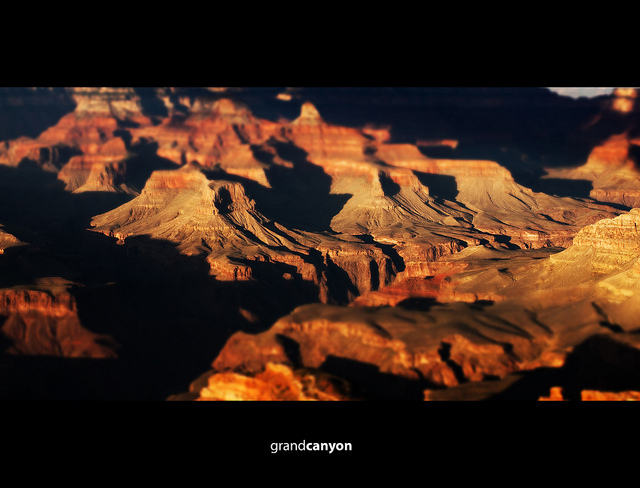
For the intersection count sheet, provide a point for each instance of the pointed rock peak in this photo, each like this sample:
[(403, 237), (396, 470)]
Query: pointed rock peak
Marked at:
[(309, 115)]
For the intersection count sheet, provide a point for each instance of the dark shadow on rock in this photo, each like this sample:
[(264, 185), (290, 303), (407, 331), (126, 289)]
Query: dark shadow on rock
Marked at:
[(387, 249), (152, 106), (36, 209), (532, 385), (423, 304), (506, 240), (27, 112), (563, 187), (599, 363), (300, 196), (145, 161), (371, 383), (38, 378), (291, 349), (389, 187), (440, 186), (170, 317), (438, 152), (445, 356), (5, 342)]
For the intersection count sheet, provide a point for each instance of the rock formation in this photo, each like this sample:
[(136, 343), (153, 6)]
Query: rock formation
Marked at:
[(7, 240), (612, 170), (308, 259), (539, 313), (215, 217), (276, 383), (42, 322)]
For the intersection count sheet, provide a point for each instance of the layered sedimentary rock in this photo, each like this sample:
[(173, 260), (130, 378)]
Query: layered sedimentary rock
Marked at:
[(443, 347), (276, 383), (85, 147), (612, 170), (213, 133), (540, 311), (495, 204), (45, 322), (390, 202), (92, 129), (217, 219)]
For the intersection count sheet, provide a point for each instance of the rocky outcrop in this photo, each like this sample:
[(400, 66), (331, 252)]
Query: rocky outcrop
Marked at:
[(40, 322), (276, 383), (86, 145), (604, 254), (215, 217), (624, 100), (432, 348), (520, 315), (556, 394), (7, 240), (612, 168), (214, 133)]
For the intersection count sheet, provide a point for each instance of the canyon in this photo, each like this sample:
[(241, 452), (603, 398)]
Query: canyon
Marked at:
[(188, 246)]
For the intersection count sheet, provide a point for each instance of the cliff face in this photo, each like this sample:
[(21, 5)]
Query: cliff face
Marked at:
[(276, 383), (212, 133), (434, 351), (539, 312), (415, 270), (38, 322), (216, 218), (612, 165), (86, 145), (7, 240)]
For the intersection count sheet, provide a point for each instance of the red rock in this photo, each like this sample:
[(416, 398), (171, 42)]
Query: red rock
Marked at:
[(213, 134), (276, 383), (42, 323), (554, 396)]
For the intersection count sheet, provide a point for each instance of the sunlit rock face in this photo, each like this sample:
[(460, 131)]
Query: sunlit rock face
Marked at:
[(612, 165), (215, 217), (38, 322), (308, 253), (212, 133), (276, 383), (624, 100), (556, 395), (422, 331), (434, 350), (7, 240)]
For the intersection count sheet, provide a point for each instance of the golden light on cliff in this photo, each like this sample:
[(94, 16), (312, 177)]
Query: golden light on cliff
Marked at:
[(625, 99), (626, 92)]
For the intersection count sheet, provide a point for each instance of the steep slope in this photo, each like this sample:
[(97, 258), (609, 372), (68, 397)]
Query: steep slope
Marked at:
[(547, 308), (7, 240), (212, 133), (612, 170), (43, 320), (215, 218), (86, 147), (500, 206), (612, 165)]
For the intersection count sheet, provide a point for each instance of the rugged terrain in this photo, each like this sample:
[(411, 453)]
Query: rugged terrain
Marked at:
[(150, 235)]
